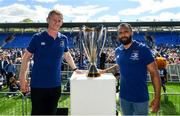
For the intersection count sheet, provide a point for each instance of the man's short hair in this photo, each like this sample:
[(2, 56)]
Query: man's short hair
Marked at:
[(127, 25), (52, 12)]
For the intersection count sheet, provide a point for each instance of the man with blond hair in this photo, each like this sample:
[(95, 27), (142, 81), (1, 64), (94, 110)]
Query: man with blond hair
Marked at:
[(47, 49)]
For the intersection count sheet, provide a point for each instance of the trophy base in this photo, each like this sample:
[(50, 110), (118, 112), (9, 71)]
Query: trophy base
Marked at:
[(93, 72), (93, 75)]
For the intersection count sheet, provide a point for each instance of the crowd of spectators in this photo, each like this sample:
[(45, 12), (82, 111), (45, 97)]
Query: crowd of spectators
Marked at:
[(10, 60)]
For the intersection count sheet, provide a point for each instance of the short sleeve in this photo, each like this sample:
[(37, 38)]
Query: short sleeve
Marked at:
[(116, 55), (32, 45), (147, 56), (66, 49)]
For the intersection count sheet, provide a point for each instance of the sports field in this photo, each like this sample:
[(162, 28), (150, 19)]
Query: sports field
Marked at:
[(170, 102)]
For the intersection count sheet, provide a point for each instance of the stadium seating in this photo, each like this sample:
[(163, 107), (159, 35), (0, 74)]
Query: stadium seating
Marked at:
[(168, 38), (22, 39)]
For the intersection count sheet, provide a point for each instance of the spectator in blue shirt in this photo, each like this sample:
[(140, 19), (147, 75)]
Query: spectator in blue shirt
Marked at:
[(10, 70), (47, 49), (134, 60)]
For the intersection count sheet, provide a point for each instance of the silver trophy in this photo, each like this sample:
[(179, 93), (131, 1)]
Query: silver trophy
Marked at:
[(93, 41)]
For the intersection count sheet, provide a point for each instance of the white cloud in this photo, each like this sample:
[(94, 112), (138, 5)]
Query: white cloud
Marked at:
[(80, 13), (151, 6), (165, 16), (46, 1), (41, 13), (165, 4), (18, 12), (1, 0), (108, 18)]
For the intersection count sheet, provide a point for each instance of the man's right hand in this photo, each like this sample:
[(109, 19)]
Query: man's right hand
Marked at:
[(102, 71), (24, 86)]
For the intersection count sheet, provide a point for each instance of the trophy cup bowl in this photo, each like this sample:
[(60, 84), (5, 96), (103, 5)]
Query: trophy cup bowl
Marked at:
[(93, 41)]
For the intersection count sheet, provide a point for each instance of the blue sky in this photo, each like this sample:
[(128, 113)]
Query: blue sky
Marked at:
[(91, 10)]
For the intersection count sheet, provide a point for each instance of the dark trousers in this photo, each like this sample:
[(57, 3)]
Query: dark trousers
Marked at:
[(45, 100), (8, 76)]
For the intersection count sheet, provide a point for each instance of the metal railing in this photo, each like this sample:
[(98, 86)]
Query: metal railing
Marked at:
[(21, 105), (15, 103), (174, 72), (170, 104), (12, 103), (172, 69)]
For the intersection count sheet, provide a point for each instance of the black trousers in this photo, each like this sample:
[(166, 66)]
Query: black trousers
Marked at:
[(45, 100), (8, 76)]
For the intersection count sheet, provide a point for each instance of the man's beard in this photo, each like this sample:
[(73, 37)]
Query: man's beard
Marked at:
[(127, 41)]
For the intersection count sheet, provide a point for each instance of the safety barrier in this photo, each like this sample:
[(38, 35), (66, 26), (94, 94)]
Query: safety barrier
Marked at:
[(15, 103), (12, 103)]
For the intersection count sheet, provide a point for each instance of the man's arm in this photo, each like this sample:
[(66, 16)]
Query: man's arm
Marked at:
[(109, 69), (23, 71), (152, 68), (69, 60)]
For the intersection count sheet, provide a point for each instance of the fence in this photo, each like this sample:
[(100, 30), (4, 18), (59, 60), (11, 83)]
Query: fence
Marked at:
[(17, 104), (174, 72), (170, 104), (172, 69), (12, 103)]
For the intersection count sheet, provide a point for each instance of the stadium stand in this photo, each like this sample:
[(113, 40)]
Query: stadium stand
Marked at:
[(22, 39), (166, 42)]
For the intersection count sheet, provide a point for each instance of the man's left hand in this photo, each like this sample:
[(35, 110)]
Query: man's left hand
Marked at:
[(155, 105)]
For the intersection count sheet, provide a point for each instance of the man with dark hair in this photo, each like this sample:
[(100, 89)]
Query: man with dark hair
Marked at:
[(47, 49), (134, 60)]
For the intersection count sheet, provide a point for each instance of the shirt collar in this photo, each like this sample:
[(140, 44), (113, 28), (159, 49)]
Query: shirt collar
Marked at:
[(132, 46)]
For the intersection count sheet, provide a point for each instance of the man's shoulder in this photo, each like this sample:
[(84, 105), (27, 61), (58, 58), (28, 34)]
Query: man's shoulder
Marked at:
[(60, 35), (140, 46), (39, 34), (120, 48)]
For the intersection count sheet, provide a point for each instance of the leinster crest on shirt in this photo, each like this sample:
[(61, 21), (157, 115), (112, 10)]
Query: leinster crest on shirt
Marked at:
[(134, 55), (61, 43)]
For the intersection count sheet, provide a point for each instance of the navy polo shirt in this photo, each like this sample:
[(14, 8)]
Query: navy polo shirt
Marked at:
[(133, 69), (47, 59)]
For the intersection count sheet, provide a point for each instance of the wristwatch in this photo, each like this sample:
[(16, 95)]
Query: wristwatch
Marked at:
[(75, 69)]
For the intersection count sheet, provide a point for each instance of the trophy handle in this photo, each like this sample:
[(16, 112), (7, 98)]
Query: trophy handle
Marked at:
[(85, 50), (105, 31)]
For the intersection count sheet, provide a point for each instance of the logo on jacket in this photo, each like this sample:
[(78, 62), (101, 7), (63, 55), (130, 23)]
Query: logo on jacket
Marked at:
[(43, 43), (117, 56), (134, 55), (61, 43)]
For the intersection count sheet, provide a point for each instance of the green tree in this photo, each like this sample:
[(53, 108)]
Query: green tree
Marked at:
[(27, 20)]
